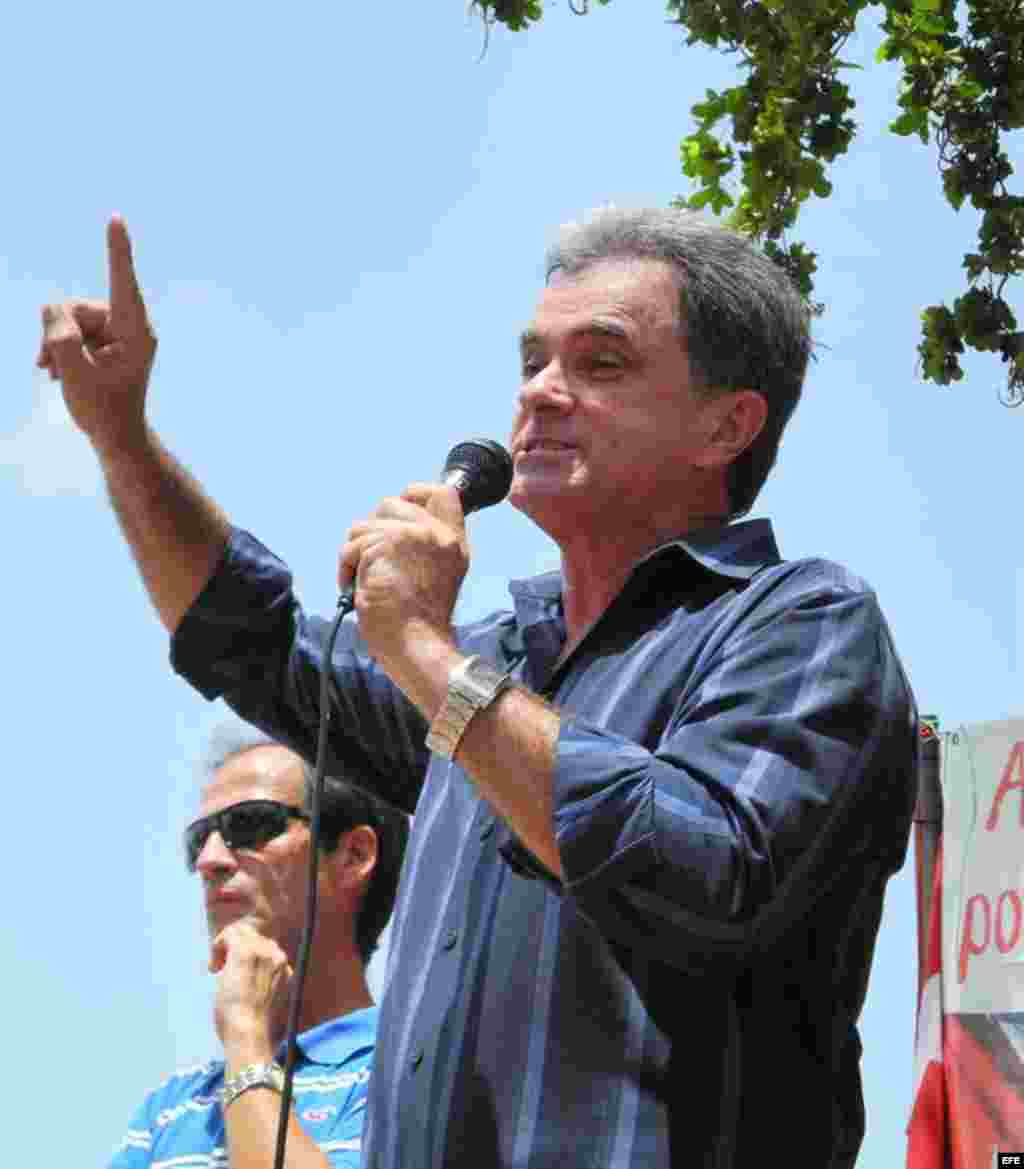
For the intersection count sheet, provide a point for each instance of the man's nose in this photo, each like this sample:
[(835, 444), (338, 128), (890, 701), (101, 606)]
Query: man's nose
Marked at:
[(215, 856), (547, 389)]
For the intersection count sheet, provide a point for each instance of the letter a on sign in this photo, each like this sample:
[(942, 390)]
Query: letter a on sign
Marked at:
[(1013, 777)]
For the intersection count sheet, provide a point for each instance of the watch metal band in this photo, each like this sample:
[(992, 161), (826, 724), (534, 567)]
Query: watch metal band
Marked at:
[(254, 1075), (472, 686)]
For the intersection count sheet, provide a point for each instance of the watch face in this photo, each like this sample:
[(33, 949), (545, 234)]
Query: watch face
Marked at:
[(254, 1076), (472, 686), (479, 682)]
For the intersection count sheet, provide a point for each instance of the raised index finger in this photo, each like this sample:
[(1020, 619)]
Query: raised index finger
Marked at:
[(126, 301)]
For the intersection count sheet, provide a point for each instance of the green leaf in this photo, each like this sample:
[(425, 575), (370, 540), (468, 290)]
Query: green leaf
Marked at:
[(719, 200)]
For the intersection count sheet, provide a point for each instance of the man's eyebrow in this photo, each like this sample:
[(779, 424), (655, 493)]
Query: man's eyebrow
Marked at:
[(530, 338)]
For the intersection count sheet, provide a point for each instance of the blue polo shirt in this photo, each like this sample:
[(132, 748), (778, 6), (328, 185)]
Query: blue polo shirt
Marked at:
[(181, 1123)]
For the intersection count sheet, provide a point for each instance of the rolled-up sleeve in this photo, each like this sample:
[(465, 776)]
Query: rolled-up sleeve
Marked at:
[(247, 639), (789, 758)]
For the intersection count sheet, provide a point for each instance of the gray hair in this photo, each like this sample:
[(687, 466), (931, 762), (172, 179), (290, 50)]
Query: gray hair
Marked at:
[(227, 739), (743, 321)]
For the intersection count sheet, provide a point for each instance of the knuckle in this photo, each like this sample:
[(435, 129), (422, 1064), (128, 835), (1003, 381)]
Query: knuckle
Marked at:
[(62, 339), (56, 309)]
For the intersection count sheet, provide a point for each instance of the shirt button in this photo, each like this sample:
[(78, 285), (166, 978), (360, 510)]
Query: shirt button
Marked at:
[(450, 939), (416, 1060), (487, 829)]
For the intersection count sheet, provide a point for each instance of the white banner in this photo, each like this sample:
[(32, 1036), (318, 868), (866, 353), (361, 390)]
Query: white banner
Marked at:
[(983, 868)]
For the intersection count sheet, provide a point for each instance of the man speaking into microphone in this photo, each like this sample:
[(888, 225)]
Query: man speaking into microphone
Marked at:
[(656, 802)]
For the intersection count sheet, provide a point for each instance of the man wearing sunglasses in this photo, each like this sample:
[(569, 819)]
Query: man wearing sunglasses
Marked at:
[(249, 846)]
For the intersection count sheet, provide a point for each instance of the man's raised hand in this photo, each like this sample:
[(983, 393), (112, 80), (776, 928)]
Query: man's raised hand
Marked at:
[(102, 351)]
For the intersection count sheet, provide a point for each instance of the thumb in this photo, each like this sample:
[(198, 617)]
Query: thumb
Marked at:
[(445, 504)]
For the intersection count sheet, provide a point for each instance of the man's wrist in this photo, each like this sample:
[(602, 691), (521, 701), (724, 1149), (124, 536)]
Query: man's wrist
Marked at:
[(244, 1047), (123, 443), (422, 670)]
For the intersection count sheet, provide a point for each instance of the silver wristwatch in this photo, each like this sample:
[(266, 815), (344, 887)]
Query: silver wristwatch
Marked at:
[(472, 686), (254, 1075)]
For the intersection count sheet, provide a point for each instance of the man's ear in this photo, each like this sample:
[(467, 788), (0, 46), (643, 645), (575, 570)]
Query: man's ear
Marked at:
[(352, 863), (735, 419)]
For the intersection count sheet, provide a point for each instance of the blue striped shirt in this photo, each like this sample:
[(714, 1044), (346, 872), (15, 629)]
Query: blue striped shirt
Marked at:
[(180, 1125), (734, 780)]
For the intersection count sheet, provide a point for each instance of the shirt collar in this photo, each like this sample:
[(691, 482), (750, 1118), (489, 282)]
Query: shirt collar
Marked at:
[(737, 551), (333, 1041)]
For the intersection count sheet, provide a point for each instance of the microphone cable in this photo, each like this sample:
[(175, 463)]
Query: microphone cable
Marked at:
[(345, 605), (481, 472)]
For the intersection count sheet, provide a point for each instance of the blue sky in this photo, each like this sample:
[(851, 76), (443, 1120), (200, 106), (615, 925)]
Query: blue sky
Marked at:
[(339, 214)]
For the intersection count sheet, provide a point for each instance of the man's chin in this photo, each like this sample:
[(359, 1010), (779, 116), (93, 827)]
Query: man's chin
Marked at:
[(555, 505), (219, 917)]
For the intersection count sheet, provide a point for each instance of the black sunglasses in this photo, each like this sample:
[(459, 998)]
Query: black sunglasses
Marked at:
[(249, 824)]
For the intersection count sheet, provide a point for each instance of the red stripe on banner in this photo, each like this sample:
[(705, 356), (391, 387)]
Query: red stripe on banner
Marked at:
[(928, 1146)]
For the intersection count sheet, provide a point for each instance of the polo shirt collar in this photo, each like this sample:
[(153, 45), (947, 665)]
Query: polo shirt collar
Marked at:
[(332, 1042)]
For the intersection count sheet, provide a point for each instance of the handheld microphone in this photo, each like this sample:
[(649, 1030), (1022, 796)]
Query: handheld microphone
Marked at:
[(480, 470)]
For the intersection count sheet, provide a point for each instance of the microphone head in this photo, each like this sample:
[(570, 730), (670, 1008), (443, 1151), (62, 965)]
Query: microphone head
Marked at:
[(481, 472)]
